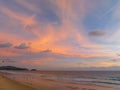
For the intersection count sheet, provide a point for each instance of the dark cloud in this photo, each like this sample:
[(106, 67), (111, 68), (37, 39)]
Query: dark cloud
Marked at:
[(97, 33), (118, 54), (5, 45), (22, 46), (114, 60), (46, 51)]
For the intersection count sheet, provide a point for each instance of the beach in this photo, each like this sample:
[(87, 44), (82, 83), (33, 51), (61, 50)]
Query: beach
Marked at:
[(45, 84), (7, 84)]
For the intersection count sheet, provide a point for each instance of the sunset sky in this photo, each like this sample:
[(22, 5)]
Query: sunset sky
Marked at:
[(60, 34)]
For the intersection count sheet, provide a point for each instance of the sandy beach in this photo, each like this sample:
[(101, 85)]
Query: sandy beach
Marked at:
[(7, 84), (45, 84)]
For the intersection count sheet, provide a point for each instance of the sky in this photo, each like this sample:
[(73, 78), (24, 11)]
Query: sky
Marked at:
[(60, 34)]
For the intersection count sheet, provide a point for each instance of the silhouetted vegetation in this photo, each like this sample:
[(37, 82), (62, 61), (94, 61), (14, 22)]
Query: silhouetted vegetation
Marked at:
[(11, 68)]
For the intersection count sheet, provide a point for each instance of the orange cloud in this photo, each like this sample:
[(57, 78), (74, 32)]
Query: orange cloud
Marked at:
[(9, 37), (107, 64), (7, 53)]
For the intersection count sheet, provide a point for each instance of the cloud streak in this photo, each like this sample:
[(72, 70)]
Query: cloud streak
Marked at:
[(97, 33), (22, 46), (5, 45)]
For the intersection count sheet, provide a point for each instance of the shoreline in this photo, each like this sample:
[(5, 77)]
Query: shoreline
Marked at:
[(50, 84), (46, 84)]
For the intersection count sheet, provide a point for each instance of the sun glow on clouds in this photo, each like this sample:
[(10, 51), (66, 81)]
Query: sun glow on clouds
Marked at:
[(44, 32)]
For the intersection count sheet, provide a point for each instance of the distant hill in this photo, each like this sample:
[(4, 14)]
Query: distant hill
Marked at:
[(11, 68)]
